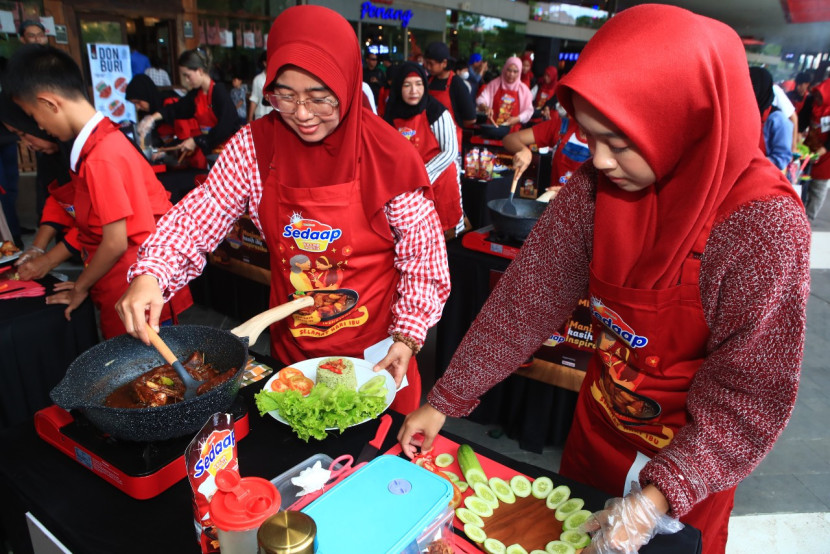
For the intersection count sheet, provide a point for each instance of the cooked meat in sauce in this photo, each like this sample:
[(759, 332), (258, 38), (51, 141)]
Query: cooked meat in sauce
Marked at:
[(161, 385)]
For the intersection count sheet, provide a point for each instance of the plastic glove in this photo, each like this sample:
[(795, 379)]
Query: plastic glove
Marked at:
[(146, 125), (29, 254), (626, 524)]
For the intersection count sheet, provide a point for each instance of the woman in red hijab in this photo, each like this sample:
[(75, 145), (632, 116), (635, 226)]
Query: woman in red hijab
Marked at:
[(328, 182), (547, 88), (694, 252), (818, 140)]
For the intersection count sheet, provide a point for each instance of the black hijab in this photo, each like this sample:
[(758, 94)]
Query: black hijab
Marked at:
[(14, 116), (762, 86), (143, 88), (396, 108)]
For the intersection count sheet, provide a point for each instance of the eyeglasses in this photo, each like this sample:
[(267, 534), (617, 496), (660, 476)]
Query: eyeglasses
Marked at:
[(288, 104)]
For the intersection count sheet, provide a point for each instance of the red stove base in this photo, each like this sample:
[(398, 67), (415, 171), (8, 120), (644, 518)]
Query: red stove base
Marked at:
[(50, 424), (481, 241)]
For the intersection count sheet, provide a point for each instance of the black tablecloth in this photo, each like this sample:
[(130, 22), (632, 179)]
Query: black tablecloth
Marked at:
[(88, 515), (37, 344), (475, 194), (534, 413)]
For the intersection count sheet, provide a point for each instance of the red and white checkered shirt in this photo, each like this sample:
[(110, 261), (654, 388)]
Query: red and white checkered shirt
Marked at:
[(175, 253)]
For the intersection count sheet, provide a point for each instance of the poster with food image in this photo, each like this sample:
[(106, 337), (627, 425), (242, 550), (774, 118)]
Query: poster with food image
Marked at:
[(111, 71)]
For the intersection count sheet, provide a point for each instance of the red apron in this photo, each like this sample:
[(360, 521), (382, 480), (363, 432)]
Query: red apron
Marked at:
[(312, 232), (445, 189), (571, 152), (443, 96), (505, 106), (205, 119), (113, 284), (633, 398)]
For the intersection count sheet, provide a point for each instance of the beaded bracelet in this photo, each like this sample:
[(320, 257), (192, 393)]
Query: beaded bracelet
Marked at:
[(408, 341)]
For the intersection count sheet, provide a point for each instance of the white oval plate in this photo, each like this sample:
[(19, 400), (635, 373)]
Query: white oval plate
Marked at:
[(362, 371)]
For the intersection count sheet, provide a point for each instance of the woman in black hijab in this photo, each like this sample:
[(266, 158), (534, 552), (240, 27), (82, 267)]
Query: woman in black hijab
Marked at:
[(777, 135), (430, 128)]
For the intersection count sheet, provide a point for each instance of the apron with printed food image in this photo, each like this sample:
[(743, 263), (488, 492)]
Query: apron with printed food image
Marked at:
[(321, 244), (505, 106), (650, 345), (443, 96)]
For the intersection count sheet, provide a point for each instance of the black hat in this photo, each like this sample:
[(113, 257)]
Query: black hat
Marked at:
[(30, 23), (803, 77), (438, 51)]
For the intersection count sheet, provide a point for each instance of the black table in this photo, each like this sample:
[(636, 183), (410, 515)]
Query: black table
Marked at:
[(179, 181), (37, 344), (534, 413), (89, 515)]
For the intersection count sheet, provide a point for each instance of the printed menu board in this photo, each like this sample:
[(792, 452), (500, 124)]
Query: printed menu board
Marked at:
[(109, 66)]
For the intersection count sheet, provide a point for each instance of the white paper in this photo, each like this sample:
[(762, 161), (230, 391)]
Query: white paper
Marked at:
[(49, 24), (7, 23), (377, 352)]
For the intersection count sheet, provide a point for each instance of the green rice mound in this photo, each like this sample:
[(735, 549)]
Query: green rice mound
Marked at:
[(348, 378)]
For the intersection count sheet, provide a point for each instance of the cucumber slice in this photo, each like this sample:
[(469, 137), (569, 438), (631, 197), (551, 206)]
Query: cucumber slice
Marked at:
[(559, 547), (444, 460), (521, 486), (485, 493), (575, 538), (515, 549), (373, 386), (557, 497), (466, 515), (494, 546), (475, 533), (538, 552), (502, 490), (576, 519), (419, 462), (452, 476), (462, 486), (568, 507), (475, 475), (541, 487), (478, 506)]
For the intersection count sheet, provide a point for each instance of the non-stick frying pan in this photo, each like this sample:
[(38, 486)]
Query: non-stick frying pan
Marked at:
[(108, 365), (516, 226)]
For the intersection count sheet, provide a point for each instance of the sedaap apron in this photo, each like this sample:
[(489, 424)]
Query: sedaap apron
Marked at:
[(445, 188), (505, 106), (443, 96), (320, 238), (113, 284), (650, 345)]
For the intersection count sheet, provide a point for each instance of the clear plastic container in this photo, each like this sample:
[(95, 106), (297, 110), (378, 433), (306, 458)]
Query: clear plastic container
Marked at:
[(289, 490), (439, 530)]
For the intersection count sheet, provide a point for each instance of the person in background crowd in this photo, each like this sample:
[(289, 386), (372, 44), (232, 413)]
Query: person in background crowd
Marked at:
[(777, 134), (464, 73), (385, 64), (383, 97), (506, 100), (429, 127), (818, 140), (158, 74), (782, 102), (258, 106), (370, 98), (546, 95), (9, 179), (139, 63), (117, 197), (446, 87), (206, 101), (239, 95), (148, 99), (476, 68), (802, 100), (561, 133), (695, 254), (527, 77), (322, 158), (33, 32), (373, 75)]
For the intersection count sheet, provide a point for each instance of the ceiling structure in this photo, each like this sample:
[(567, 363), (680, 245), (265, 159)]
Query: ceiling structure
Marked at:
[(797, 25)]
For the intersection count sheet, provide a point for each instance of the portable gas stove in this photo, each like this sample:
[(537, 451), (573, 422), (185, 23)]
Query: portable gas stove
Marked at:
[(140, 469), (487, 240)]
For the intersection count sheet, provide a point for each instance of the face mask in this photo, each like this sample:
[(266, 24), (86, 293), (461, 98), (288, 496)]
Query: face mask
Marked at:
[(464, 74)]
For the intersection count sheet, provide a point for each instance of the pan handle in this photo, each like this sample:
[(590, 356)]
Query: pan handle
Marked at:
[(257, 324)]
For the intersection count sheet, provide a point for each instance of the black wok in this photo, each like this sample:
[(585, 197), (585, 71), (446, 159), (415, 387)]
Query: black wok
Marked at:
[(108, 365), (517, 226), (490, 131)]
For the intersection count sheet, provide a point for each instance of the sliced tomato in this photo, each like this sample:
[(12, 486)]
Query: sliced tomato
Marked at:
[(286, 374), (303, 385), (278, 386)]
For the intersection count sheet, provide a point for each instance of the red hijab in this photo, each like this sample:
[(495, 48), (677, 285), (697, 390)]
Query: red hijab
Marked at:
[(526, 77), (701, 141), (363, 146), (548, 88)]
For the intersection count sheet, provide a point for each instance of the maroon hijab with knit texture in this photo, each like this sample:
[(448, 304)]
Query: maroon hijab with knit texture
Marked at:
[(363, 146), (701, 141)]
